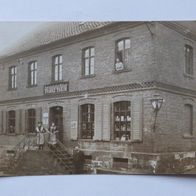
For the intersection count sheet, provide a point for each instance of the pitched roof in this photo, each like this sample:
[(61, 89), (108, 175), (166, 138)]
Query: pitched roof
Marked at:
[(51, 32)]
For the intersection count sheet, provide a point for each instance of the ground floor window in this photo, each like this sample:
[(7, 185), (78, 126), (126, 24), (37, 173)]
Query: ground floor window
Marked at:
[(11, 121), (31, 119), (188, 118), (122, 120), (87, 121)]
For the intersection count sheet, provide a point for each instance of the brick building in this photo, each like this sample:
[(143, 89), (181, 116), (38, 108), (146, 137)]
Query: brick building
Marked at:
[(98, 82)]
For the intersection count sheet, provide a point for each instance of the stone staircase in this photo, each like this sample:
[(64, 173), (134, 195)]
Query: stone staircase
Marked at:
[(63, 158), (28, 160)]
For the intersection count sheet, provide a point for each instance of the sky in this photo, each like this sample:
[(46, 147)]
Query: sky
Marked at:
[(63, 10), (11, 32)]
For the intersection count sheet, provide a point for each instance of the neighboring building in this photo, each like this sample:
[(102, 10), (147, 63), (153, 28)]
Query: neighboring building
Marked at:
[(97, 82)]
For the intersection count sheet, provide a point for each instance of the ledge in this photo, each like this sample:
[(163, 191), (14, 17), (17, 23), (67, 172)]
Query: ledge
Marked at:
[(188, 136), (121, 71), (12, 89), (56, 82), (32, 86), (89, 76), (188, 76)]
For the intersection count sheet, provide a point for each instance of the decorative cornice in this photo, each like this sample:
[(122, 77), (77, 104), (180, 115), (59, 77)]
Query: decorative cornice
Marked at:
[(132, 87), (90, 92)]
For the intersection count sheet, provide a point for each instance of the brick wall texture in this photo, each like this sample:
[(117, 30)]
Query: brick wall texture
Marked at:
[(153, 57)]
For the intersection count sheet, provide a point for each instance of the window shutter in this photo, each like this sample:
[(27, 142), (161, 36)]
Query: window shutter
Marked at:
[(98, 121), (1, 122), (83, 61), (53, 71), (38, 115), (74, 121), (9, 78), (29, 75), (137, 118), (24, 121), (111, 122), (106, 121), (17, 121), (6, 122)]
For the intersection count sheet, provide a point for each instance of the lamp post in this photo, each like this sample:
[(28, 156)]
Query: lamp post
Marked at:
[(156, 104)]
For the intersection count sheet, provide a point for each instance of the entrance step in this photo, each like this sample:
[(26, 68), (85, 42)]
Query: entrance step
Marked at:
[(38, 163)]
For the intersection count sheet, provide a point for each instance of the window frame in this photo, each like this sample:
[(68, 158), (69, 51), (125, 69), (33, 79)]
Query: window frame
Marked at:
[(191, 131), (118, 123), (189, 60), (31, 117), (13, 78), (33, 72), (59, 70), (84, 75), (11, 119), (125, 65), (91, 123)]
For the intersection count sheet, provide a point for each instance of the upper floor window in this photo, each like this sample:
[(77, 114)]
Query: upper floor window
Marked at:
[(87, 121), (88, 61), (12, 77), (188, 59), (57, 67), (122, 54), (11, 121), (122, 120), (32, 75)]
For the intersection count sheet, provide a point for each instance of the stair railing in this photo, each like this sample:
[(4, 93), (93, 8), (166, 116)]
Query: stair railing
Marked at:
[(26, 143), (60, 150)]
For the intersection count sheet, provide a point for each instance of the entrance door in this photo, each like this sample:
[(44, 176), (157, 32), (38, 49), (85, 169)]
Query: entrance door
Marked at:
[(56, 116)]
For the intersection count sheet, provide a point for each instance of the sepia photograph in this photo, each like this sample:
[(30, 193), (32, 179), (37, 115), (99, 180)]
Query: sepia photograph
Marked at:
[(97, 97)]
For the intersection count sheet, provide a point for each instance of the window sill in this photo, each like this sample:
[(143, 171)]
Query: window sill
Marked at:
[(32, 86), (89, 76), (11, 134), (188, 76), (57, 82), (121, 71), (127, 141), (188, 136), (12, 89), (86, 140)]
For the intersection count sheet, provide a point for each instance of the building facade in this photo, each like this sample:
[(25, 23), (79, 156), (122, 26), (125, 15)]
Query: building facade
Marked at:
[(98, 83)]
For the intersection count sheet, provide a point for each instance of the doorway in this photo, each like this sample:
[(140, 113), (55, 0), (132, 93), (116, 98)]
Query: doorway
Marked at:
[(56, 116)]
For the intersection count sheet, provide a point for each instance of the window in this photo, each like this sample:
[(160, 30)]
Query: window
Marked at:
[(12, 77), (31, 120), (122, 120), (188, 59), (11, 121), (57, 67), (88, 61), (87, 121), (188, 119), (122, 54), (32, 73)]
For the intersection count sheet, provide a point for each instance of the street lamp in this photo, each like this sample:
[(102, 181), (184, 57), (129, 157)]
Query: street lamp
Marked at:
[(156, 104)]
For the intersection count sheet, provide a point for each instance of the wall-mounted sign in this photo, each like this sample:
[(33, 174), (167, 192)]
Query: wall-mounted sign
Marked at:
[(74, 124), (45, 118), (56, 88)]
